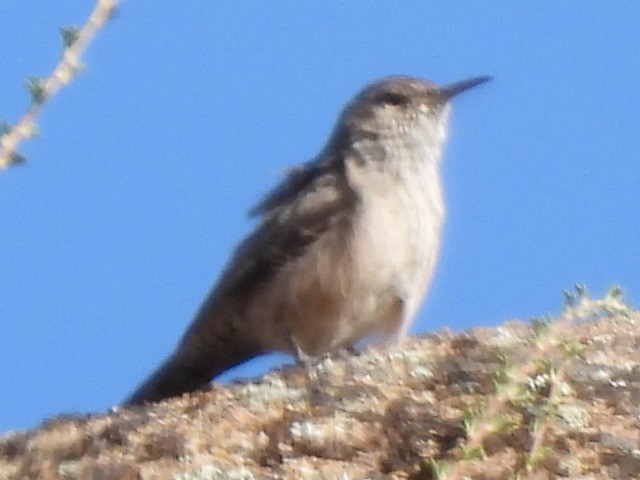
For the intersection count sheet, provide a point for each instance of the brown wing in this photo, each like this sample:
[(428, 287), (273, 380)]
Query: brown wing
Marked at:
[(294, 215), (296, 183)]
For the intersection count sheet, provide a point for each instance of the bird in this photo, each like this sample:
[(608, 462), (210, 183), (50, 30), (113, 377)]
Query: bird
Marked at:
[(344, 247)]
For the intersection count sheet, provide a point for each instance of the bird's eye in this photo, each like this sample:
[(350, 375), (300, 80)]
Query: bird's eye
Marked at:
[(391, 98)]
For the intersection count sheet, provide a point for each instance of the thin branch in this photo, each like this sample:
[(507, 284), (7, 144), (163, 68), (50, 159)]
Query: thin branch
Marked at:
[(44, 89)]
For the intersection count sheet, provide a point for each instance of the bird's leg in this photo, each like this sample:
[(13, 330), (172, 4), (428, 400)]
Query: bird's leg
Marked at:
[(309, 363)]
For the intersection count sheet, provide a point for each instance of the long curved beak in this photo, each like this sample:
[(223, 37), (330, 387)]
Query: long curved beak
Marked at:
[(449, 91)]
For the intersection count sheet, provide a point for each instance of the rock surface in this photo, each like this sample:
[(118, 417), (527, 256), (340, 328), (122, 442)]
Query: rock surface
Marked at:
[(559, 400)]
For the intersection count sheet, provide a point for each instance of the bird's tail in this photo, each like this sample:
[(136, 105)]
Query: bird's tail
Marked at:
[(208, 348), (174, 377)]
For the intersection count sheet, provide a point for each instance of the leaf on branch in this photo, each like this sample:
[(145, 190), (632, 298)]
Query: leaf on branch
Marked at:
[(38, 90), (69, 35)]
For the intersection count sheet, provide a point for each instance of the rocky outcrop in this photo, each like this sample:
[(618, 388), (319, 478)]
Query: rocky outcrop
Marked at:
[(542, 400)]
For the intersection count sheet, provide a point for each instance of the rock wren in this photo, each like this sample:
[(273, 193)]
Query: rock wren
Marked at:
[(345, 247)]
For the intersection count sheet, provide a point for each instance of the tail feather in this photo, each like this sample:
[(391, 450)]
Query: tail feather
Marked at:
[(198, 359), (172, 378)]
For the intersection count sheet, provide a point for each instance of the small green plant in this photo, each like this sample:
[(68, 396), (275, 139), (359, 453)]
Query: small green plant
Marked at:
[(529, 393)]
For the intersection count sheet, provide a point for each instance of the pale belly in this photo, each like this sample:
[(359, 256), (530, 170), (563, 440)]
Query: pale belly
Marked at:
[(364, 278)]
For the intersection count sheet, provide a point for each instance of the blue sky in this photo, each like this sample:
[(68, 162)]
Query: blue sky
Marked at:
[(137, 189)]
